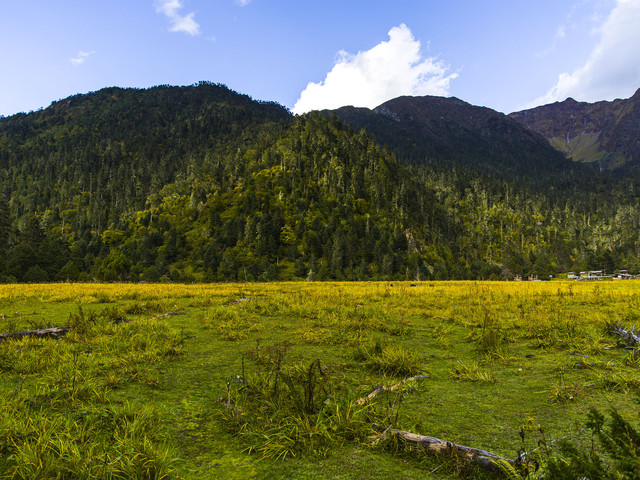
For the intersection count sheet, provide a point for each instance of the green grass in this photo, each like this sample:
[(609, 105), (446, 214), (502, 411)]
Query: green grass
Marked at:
[(142, 398)]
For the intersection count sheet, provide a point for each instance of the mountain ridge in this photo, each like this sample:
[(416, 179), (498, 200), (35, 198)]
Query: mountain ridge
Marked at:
[(201, 183), (448, 132), (602, 133)]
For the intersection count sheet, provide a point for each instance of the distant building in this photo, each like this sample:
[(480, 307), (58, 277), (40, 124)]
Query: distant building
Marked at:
[(623, 275), (594, 275), (599, 275)]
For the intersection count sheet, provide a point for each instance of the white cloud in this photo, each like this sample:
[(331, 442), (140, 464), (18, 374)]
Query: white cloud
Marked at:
[(168, 7), (243, 3), (369, 78), (179, 23), (613, 68), (82, 56), (185, 24)]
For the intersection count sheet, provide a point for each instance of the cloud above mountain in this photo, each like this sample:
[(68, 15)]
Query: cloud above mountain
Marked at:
[(613, 68), (368, 78), (179, 23), (81, 58)]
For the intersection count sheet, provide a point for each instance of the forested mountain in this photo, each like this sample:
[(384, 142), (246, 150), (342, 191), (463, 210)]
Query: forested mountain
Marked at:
[(603, 133), (201, 183), (448, 132), (89, 158)]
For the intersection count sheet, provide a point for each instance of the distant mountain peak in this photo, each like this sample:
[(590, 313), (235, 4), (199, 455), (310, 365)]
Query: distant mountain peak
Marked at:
[(603, 133), (447, 131)]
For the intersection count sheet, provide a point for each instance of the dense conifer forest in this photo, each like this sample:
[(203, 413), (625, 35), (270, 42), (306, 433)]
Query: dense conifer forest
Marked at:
[(203, 184)]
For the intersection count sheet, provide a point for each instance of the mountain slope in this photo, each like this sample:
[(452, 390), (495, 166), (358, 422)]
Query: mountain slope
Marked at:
[(202, 183), (603, 133), (449, 132), (106, 151)]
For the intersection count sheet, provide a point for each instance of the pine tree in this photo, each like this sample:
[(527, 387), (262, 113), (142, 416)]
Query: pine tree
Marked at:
[(5, 225)]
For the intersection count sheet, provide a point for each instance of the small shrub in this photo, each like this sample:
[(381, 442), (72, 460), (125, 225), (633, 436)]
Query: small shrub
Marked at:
[(71, 447), (84, 324), (315, 336), (441, 334), (113, 315), (492, 340), (391, 360), (614, 451), (146, 308), (566, 393), (282, 410), (460, 371), (633, 359), (492, 343), (103, 297), (229, 324), (619, 382)]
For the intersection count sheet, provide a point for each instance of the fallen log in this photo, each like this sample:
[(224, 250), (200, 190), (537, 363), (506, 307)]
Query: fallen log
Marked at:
[(53, 332), (475, 456), (391, 388)]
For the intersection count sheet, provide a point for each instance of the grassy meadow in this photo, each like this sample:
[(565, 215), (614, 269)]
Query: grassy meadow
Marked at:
[(262, 380)]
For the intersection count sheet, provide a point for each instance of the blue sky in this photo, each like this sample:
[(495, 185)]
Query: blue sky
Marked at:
[(307, 54)]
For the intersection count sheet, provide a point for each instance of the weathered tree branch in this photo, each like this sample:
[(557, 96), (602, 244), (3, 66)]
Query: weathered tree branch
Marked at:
[(476, 456), (628, 336), (391, 388)]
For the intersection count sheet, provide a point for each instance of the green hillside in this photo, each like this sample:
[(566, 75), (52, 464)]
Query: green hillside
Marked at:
[(448, 132), (202, 183)]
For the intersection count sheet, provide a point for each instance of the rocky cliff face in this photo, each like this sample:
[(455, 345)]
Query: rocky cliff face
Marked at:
[(603, 133)]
